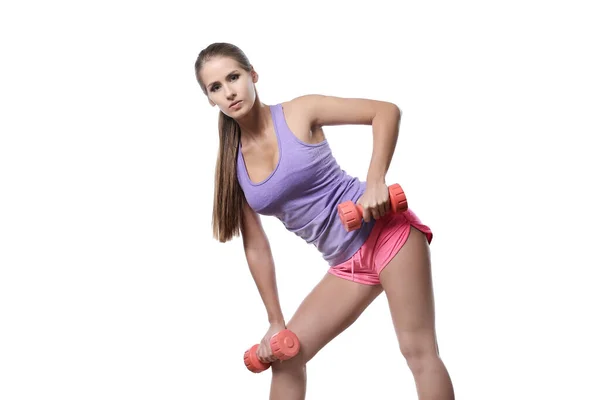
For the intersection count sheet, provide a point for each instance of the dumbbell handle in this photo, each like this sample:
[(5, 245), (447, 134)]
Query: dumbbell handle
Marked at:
[(284, 345), (351, 214)]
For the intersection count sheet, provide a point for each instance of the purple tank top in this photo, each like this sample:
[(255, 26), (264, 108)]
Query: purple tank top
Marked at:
[(303, 192)]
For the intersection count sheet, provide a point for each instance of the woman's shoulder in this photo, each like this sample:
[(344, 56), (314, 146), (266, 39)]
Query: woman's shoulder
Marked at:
[(300, 118), (302, 101), (299, 108)]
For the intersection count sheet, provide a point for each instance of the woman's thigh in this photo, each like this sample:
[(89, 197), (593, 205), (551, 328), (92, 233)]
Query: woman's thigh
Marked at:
[(331, 307), (407, 282)]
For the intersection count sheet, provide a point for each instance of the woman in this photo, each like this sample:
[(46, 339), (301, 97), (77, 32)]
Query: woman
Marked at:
[(275, 160)]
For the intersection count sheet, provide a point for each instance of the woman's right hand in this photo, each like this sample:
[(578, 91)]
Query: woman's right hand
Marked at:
[(264, 352)]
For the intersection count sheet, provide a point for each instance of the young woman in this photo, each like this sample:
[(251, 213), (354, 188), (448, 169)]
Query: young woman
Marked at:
[(274, 160)]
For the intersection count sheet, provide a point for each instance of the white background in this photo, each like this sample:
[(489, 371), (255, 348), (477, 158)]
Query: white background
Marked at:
[(111, 286)]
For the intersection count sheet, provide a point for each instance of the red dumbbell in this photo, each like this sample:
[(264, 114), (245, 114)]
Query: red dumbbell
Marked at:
[(352, 214), (284, 344)]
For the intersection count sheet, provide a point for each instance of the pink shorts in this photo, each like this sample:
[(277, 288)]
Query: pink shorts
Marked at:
[(389, 234)]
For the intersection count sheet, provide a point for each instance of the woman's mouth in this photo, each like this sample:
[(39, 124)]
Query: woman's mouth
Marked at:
[(236, 104)]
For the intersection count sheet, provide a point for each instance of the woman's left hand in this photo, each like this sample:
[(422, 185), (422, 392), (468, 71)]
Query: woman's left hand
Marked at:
[(375, 201)]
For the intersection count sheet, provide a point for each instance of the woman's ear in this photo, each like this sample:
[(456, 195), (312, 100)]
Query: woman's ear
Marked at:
[(211, 103), (254, 75)]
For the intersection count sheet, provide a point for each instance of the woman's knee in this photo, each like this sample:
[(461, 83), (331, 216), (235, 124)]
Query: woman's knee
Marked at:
[(418, 348), (294, 364)]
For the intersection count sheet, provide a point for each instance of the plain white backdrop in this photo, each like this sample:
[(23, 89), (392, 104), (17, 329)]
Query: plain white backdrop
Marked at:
[(111, 286)]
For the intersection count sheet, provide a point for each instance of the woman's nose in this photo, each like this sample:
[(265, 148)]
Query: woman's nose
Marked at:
[(228, 91)]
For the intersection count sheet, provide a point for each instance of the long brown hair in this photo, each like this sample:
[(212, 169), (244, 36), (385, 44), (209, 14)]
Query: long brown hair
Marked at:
[(228, 195)]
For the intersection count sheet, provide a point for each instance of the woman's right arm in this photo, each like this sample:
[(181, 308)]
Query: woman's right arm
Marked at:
[(260, 262)]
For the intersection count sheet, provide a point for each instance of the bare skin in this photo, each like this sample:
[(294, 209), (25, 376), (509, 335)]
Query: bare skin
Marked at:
[(332, 306), (335, 303), (408, 286)]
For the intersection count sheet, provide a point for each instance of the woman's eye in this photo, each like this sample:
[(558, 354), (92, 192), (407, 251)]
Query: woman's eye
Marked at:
[(215, 87)]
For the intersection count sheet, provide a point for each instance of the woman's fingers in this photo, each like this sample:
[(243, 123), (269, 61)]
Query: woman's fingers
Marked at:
[(265, 355)]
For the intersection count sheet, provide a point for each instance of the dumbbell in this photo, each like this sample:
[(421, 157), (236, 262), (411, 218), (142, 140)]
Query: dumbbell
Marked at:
[(284, 345), (352, 214)]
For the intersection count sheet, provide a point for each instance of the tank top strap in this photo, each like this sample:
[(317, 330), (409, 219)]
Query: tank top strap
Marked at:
[(284, 135)]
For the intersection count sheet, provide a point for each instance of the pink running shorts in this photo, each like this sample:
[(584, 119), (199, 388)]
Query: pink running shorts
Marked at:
[(389, 234)]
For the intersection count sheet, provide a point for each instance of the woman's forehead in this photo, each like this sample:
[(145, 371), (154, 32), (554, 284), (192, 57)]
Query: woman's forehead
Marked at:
[(218, 68)]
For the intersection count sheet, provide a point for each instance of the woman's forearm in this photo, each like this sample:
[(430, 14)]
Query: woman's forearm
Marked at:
[(386, 126), (262, 268)]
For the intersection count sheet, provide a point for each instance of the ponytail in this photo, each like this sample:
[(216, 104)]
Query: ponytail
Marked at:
[(228, 195)]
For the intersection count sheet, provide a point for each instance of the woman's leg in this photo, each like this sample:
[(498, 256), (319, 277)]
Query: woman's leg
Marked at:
[(332, 306), (408, 286)]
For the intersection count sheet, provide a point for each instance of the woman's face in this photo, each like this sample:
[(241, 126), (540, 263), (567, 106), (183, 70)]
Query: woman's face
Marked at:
[(229, 86)]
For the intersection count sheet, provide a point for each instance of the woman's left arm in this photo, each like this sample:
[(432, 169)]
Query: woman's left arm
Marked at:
[(383, 116), (386, 126)]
